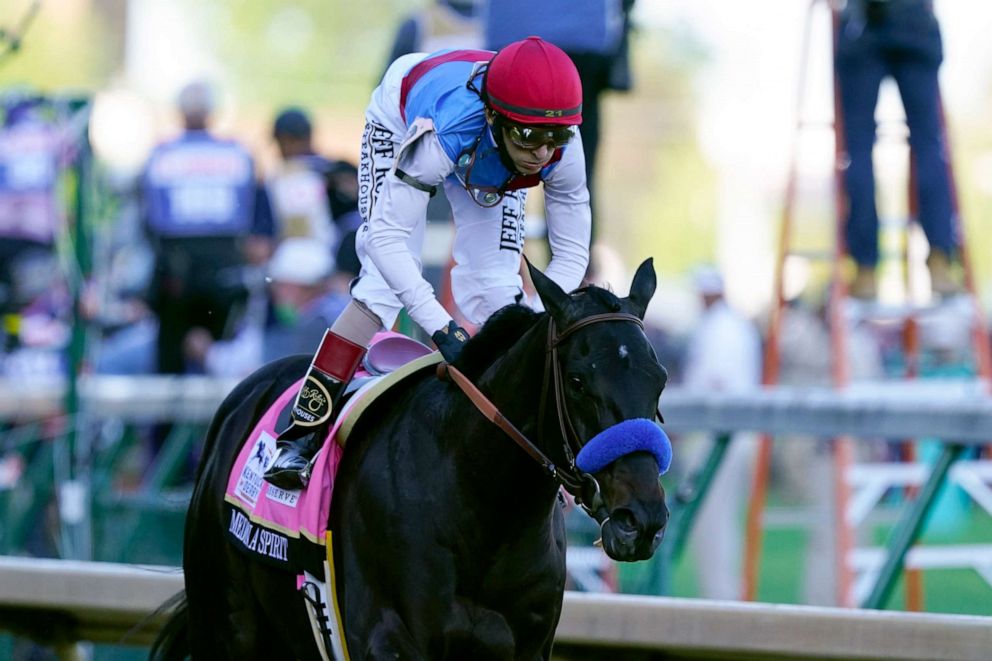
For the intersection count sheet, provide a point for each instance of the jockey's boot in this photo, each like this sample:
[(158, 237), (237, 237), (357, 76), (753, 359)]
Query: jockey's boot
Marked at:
[(331, 370)]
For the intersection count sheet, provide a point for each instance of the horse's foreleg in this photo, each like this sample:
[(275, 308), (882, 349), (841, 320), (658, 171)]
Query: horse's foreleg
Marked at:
[(470, 632), (477, 632), (390, 639)]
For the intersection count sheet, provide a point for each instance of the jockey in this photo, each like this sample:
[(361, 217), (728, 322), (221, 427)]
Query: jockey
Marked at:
[(487, 127)]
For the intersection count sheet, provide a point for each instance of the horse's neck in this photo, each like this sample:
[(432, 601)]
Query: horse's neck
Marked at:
[(514, 384), (515, 381)]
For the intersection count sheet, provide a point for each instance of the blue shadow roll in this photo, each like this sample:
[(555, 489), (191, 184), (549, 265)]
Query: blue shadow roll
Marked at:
[(637, 435)]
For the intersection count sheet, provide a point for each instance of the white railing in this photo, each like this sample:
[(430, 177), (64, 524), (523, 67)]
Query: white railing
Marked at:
[(949, 409), (103, 602)]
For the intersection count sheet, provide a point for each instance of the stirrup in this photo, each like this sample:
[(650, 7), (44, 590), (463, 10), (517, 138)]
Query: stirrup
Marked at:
[(290, 479)]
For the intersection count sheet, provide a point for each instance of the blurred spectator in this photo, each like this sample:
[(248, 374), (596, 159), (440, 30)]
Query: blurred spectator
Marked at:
[(306, 293), (442, 24), (311, 195), (592, 32), (901, 39), (36, 332), (946, 345), (129, 350), (34, 304), (723, 355), (805, 464), (806, 355), (114, 301), (946, 354), (32, 154), (207, 218)]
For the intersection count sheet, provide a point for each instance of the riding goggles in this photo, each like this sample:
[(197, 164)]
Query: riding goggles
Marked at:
[(534, 137)]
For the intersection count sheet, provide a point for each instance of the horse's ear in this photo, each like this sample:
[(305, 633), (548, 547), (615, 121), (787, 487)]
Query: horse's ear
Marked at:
[(555, 300), (643, 286)]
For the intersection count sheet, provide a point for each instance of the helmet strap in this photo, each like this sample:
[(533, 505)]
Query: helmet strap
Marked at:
[(497, 131), (480, 70)]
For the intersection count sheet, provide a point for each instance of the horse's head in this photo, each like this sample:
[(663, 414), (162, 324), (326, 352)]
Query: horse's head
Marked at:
[(605, 381)]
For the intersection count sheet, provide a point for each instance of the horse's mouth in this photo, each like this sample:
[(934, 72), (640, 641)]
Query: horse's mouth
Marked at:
[(626, 542)]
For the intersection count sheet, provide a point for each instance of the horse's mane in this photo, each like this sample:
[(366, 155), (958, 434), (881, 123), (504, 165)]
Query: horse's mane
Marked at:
[(500, 332), (603, 297), (508, 324)]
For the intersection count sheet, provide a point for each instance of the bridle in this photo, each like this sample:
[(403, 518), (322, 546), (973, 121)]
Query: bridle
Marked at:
[(581, 485)]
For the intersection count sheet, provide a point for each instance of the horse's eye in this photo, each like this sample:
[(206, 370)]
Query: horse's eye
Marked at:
[(577, 385)]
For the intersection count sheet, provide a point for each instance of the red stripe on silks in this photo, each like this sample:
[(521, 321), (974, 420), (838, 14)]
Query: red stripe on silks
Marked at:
[(338, 357), (425, 65), (531, 180)]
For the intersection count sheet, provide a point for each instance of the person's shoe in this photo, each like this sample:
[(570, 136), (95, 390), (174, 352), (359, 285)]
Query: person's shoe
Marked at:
[(942, 280), (864, 286), (293, 462), (330, 372)]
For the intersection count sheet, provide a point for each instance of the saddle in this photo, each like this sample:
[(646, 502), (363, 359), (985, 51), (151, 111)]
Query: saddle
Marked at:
[(288, 529)]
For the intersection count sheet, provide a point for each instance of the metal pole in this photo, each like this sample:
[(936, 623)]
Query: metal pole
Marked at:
[(772, 358), (910, 525), (843, 451), (76, 515), (688, 498)]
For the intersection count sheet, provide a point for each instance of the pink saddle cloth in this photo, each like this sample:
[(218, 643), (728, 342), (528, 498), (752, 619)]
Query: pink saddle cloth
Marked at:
[(272, 522)]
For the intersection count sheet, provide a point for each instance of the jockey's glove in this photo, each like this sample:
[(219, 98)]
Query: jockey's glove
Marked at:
[(450, 340)]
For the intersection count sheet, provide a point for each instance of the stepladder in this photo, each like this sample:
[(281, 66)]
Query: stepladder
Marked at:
[(913, 334)]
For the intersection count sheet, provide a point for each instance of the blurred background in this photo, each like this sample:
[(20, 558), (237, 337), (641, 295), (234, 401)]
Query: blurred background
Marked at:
[(694, 157), (693, 168)]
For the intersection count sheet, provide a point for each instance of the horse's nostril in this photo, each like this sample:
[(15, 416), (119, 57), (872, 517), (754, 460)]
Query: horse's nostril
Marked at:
[(624, 519)]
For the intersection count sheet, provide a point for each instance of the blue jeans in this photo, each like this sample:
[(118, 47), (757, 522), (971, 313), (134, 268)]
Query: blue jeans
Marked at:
[(906, 46)]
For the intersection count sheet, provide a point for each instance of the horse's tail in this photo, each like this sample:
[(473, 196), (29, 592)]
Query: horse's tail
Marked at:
[(172, 642)]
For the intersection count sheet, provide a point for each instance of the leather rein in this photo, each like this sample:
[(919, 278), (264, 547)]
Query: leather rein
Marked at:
[(581, 485)]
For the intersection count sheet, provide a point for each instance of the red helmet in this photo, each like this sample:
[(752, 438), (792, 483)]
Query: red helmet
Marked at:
[(534, 82)]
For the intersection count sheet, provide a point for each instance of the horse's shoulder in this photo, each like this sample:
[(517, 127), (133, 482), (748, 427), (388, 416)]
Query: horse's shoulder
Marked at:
[(409, 402)]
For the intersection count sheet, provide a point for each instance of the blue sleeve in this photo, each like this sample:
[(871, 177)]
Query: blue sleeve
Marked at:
[(263, 220)]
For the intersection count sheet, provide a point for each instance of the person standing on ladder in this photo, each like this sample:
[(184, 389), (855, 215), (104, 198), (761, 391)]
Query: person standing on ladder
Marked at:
[(901, 39)]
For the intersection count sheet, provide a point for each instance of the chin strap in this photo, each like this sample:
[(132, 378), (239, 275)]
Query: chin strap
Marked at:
[(496, 130)]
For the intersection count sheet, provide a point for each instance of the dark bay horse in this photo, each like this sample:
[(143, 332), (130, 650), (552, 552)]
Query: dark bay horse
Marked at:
[(449, 540)]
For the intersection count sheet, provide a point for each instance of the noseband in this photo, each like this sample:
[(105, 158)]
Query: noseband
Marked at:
[(581, 485)]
